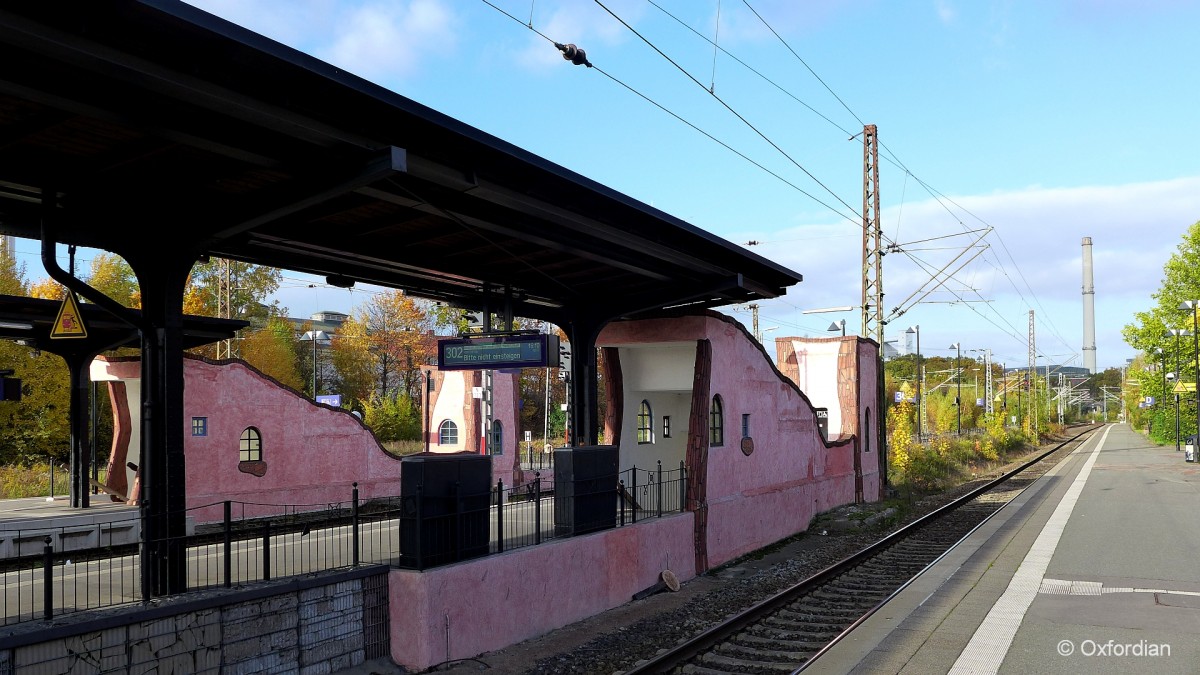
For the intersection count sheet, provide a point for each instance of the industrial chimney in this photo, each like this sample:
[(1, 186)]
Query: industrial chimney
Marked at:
[(1089, 309)]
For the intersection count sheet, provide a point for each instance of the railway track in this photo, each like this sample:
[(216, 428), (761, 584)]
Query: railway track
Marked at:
[(790, 630)]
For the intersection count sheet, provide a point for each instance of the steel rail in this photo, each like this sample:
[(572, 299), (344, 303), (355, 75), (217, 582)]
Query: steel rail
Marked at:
[(683, 652)]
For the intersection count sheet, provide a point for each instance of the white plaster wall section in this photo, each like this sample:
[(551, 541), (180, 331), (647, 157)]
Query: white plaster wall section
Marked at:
[(656, 374), (817, 366), (666, 366), (449, 406)]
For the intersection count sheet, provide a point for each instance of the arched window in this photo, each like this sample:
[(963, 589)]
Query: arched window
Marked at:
[(496, 442), (645, 424), (448, 433), (866, 433), (250, 446), (716, 422)]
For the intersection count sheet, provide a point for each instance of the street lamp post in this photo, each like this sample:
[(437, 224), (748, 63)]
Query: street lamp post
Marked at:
[(838, 325), (958, 376), (1176, 332), (1191, 306), (315, 336)]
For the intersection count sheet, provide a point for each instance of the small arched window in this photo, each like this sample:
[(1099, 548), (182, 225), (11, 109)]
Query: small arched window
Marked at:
[(496, 442), (645, 424), (250, 446), (866, 432), (448, 433), (716, 422)]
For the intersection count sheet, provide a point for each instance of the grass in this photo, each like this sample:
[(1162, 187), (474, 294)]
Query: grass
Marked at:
[(20, 481)]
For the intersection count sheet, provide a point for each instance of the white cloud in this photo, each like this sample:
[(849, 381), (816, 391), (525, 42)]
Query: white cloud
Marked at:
[(1035, 262), (387, 40)]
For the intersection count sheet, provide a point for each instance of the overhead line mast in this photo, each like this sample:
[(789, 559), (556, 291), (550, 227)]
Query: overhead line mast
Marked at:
[(872, 259)]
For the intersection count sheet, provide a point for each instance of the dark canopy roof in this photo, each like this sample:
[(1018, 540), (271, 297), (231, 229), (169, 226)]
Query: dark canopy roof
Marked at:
[(157, 125), (32, 319)]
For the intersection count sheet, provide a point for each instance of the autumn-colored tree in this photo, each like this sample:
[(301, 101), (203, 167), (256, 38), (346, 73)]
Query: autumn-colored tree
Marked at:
[(47, 289), (37, 426), (401, 340), (272, 349), (353, 363), (112, 276)]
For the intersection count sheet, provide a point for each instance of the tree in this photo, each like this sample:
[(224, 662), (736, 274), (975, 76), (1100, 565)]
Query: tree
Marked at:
[(1150, 332), (400, 330), (37, 425), (353, 363), (112, 276), (273, 350)]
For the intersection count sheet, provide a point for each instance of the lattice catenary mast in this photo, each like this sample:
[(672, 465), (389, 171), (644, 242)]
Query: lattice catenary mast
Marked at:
[(1032, 372), (872, 259)]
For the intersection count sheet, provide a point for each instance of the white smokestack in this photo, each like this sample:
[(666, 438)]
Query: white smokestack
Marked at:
[(1089, 309)]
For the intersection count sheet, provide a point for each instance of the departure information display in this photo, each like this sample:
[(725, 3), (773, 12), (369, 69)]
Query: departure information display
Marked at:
[(506, 351)]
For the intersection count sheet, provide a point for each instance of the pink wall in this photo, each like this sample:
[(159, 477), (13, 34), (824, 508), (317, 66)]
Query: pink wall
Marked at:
[(462, 610), (312, 452), (452, 400), (791, 474)]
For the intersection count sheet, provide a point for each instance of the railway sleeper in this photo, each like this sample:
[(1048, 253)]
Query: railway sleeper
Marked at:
[(801, 614), (873, 584), (737, 665), (830, 626), (800, 641)]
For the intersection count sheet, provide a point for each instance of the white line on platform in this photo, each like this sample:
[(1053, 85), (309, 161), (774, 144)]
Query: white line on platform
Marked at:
[(991, 640)]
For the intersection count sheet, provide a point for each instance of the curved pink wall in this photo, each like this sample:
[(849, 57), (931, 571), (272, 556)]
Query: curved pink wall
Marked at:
[(792, 474), (313, 453)]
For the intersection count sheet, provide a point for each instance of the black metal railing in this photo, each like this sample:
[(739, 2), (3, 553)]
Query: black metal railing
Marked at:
[(54, 571)]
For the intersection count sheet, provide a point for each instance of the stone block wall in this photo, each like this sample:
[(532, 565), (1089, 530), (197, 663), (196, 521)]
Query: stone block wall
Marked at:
[(310, 626)]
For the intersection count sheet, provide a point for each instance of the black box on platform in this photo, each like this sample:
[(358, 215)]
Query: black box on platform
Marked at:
[(445, 508), (585, 489)]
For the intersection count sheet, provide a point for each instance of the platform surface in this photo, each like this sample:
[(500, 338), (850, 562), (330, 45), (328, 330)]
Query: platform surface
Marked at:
[(1093, 569)]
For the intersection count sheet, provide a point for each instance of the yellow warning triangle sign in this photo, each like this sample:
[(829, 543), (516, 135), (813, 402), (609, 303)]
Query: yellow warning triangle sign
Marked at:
[(69, 322), (1184, 387)]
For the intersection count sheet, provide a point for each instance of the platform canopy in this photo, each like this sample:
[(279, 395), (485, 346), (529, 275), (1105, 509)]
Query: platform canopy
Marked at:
[(157, 124)]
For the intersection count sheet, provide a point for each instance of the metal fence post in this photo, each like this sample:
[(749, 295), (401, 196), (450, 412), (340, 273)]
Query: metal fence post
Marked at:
[(500, 515), (354, 525), (634, 510), (537, 508), (48, 580), (228, 543), (621, 499), (266, 551), (658, 488), (682, 486)]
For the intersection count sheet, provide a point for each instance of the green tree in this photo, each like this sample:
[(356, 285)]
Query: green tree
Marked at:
[(1151, 332)]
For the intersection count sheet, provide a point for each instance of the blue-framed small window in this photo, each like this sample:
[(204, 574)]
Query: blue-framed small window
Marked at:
[(199, 426), (746, 425)]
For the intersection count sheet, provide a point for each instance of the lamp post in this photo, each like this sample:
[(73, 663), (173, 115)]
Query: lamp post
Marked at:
[(1176, 332), (958, 376), (315, 336), (1191, 306), (920, 390), (838, 325)]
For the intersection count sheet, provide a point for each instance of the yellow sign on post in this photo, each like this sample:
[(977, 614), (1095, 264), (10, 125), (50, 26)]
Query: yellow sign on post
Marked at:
[(69, 322), (1184, 387)]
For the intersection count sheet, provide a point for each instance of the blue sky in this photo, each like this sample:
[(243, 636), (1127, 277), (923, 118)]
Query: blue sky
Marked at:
[(1038, 123)]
